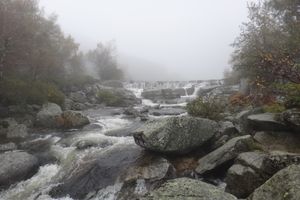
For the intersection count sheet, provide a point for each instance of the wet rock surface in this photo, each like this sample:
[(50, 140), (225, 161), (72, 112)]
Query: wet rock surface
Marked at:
[(16, 166), (283, 185), (185, 188), (175, 134), (267, 122), (225, 153)]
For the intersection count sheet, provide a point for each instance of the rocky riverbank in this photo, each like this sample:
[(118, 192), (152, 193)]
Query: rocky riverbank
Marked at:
[(131, 152)]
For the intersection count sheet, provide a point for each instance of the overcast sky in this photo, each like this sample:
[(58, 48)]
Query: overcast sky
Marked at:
[(190, 39)]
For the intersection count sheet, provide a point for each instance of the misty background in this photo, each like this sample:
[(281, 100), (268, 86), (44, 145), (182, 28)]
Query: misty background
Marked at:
[(157, 40)]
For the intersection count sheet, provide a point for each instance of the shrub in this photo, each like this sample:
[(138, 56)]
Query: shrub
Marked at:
[(109, 98), (274, 108), (239, 100), (15, 91), (206, 107), (291, 93)]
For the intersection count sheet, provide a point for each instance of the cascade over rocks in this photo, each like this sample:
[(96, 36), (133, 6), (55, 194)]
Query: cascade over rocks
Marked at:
[(185, 188), (163, 94), (176, 134)]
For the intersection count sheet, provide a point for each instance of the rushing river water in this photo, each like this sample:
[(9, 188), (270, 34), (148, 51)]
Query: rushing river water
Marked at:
[(73, 149)]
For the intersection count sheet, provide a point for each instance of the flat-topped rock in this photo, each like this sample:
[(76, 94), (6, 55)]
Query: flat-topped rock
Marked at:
[(267, 122)]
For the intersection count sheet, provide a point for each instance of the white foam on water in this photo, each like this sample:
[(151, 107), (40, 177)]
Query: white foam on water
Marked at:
[(108, 193), (40, 183), (140, 187), (112, 123)]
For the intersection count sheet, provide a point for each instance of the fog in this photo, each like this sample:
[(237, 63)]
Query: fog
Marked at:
[(157, 39)]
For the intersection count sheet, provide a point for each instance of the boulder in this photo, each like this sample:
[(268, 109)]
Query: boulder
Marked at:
[(16, 166), (242, 180), (73, 119), (266, 122), (143, 176), (241, 119), (285, 184), (176, 134), (79, 97), (279, 141), (8, 147), (11, 129), (226, 153), (251, 170), (132, 112), (17, 131), (96, 172), (292, 118), (226, 131), (48, 115), (149, 167), (185, 188), (121, 96)]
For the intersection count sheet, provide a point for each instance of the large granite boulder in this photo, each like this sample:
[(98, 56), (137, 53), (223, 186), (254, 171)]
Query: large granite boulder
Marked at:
[(47, 117), (95, 172), (185, 188), (279, 141), (12, 129), (16, 166), (17, 131), (176, 134), (73, 119), (251, 169), (292, 118), (284, 185), (51, 116), (241, 119), (267, 122), (8, 147), (144, 175), (228, 152), (116, 97)]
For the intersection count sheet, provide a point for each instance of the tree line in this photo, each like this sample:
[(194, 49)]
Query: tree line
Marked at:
[(33, 48), (267, 51)]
